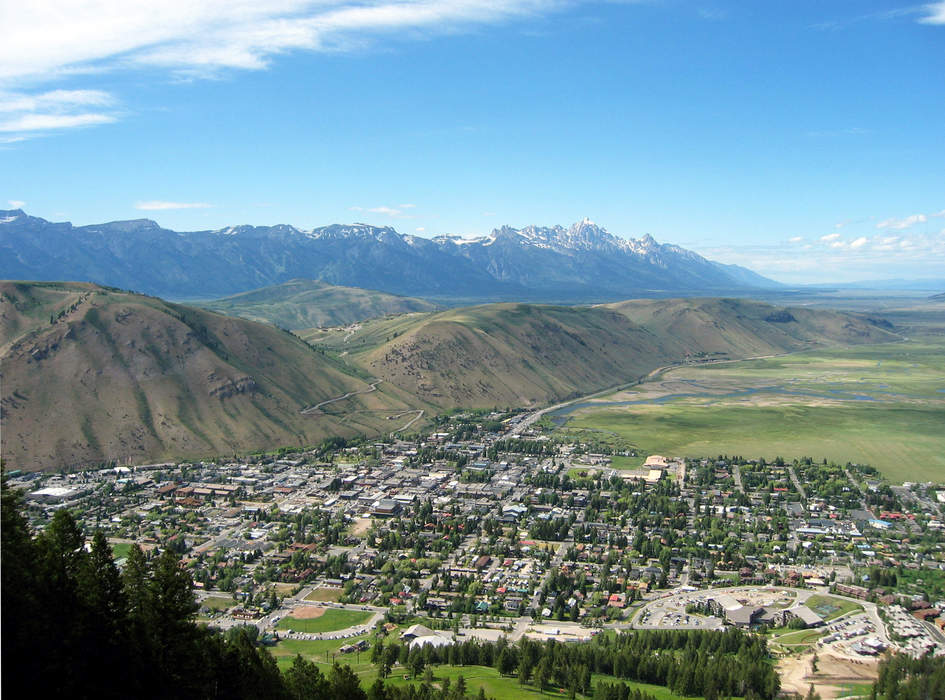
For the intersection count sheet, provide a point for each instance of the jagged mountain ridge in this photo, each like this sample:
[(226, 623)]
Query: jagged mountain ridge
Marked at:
[(579, 263)]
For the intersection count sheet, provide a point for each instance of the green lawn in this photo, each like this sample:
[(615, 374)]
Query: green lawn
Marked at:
[(794, 638), (831, 608), (333, 619), (507, 687), (215, 603), (855, 690), (881, 405), (325, 594), (621, 462), (120, 550), (323, 652)]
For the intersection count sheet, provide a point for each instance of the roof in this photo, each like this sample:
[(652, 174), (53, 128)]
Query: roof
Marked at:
[(808, 616), (416, 631), (437, 640)]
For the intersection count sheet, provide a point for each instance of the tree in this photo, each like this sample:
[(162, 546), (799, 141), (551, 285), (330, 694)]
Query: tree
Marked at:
[(305, 682), (343, 683), (543, 674)]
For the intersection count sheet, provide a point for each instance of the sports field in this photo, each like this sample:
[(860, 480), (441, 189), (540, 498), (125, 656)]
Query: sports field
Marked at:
[(330, 620), (882, 405)]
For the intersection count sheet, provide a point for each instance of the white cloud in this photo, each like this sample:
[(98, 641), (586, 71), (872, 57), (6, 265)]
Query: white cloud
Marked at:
[(859, 242), (158, 205), (838, 244), (936, 13), (900, 224), (394, 212), (420, 229), (387, 211), (16, 203), (28, 115), (55, 37), (50, 122), (53, 99), (830, 237), (795, 239)]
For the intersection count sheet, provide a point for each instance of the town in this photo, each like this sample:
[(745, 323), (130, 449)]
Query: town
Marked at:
[(494, 525)]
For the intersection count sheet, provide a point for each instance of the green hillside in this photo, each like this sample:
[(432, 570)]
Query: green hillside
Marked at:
[(93, 374), (311, 304), (526, 354)]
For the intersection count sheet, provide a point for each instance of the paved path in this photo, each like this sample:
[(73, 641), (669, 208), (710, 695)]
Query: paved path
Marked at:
[(312, 409), (797, 483), (408, 423)]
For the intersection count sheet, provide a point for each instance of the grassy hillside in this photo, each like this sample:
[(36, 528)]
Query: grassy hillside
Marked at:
[(93, 374), (312, 304), (524, 354)]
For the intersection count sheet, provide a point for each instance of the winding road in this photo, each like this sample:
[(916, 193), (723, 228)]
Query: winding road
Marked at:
[(312, 409)]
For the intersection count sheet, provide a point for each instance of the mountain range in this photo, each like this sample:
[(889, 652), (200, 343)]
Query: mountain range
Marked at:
[(583, 262)]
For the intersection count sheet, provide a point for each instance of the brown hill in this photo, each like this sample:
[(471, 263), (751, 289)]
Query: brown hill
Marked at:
[(93, 374), (521, 354)]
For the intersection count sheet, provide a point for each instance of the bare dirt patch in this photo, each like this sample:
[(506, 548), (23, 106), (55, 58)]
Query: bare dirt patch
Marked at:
[(307, 612), (361, 527), (832, 675)]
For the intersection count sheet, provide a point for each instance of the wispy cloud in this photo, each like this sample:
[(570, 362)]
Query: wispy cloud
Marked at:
[(935, 13), (830, 237), (882, 16), (393, 212), (159, 205), (57, 37), (16, 203), (795, 239), (859, 242), (50, 122), (900, 224), (29, 115)]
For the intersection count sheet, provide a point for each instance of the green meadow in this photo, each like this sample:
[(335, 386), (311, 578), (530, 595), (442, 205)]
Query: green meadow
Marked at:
[(882, 405), (333, 619)]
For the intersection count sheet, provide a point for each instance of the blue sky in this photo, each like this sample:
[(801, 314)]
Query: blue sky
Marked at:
[(805, 140)]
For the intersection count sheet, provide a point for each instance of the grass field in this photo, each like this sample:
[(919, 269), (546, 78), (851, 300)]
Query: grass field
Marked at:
[(853, 691), (323, 652), (333, 619), (215, 603), (330, 595), (831, 608), (120, 550), (882, 405), (508, 687), (796, 638)]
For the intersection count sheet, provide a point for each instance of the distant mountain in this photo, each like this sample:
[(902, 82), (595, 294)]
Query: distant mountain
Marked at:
[(581, 263), (299, 304), (927, 284)]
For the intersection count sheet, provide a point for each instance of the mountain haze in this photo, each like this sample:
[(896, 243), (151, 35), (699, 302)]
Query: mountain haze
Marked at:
[(299, 304), (583, 262)]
